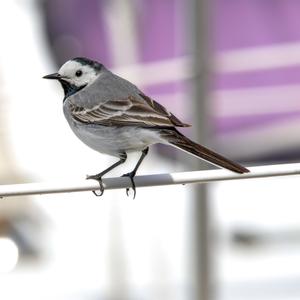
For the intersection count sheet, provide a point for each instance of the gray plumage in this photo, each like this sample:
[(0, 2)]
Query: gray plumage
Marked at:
[(112, 116)]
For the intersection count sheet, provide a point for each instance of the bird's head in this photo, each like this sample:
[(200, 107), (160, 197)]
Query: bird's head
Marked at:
[(76, 74)]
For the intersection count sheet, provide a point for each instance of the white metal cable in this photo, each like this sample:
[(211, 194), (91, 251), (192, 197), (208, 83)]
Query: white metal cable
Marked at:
[(148, 180)]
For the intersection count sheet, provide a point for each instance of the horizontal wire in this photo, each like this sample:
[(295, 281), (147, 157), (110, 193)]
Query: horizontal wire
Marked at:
[(148, 180)]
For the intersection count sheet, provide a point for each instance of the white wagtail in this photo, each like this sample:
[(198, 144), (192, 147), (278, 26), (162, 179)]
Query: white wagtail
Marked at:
[(112, 116)]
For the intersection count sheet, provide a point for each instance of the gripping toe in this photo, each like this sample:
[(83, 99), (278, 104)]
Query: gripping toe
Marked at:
[(131, 176), (97, 178)]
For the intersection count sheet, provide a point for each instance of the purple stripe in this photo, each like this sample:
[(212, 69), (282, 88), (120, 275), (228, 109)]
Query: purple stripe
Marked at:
[(244, 23), (238, 124), (159, 25), (83, 22), (281, 76)]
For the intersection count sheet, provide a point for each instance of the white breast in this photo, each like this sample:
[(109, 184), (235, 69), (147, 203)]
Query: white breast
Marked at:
[(113, 140)]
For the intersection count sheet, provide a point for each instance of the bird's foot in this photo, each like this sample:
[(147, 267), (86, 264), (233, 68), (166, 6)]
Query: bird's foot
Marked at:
[(99, 179), (131, 176)]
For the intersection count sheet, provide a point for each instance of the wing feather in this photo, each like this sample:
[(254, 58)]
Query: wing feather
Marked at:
[(139, 111)]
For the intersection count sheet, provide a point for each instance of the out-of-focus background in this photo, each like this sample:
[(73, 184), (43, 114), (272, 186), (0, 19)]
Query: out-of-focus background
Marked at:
[(232, 69)]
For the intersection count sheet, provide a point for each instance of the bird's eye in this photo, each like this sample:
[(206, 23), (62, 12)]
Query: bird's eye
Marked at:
[(78, 73)]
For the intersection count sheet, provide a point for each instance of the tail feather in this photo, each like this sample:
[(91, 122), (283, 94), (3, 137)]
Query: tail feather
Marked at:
[(177, 139)]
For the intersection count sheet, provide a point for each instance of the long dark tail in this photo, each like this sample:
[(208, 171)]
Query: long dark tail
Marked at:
[(177, 139)]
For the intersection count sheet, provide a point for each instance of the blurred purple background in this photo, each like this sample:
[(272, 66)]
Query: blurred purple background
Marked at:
[(255, 40)]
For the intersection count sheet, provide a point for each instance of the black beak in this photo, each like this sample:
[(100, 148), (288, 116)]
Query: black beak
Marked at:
[(53, 76)]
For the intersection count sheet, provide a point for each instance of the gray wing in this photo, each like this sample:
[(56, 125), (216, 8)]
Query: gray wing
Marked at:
[(116, 102)]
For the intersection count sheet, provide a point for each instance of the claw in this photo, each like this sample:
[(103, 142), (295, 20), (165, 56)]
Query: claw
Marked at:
[(131, 176), (97, 178)]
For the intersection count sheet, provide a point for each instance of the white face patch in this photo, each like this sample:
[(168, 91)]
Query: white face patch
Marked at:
[(77, 74)]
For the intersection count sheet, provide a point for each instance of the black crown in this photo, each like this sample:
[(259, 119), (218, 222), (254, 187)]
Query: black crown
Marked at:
[(86, 61)]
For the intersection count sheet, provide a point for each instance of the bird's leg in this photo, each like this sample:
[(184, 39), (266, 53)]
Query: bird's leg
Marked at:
[(98, 176), (132, 173)]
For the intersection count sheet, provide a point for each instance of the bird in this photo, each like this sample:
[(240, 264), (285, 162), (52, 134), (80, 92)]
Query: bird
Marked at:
[(113, 116)]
